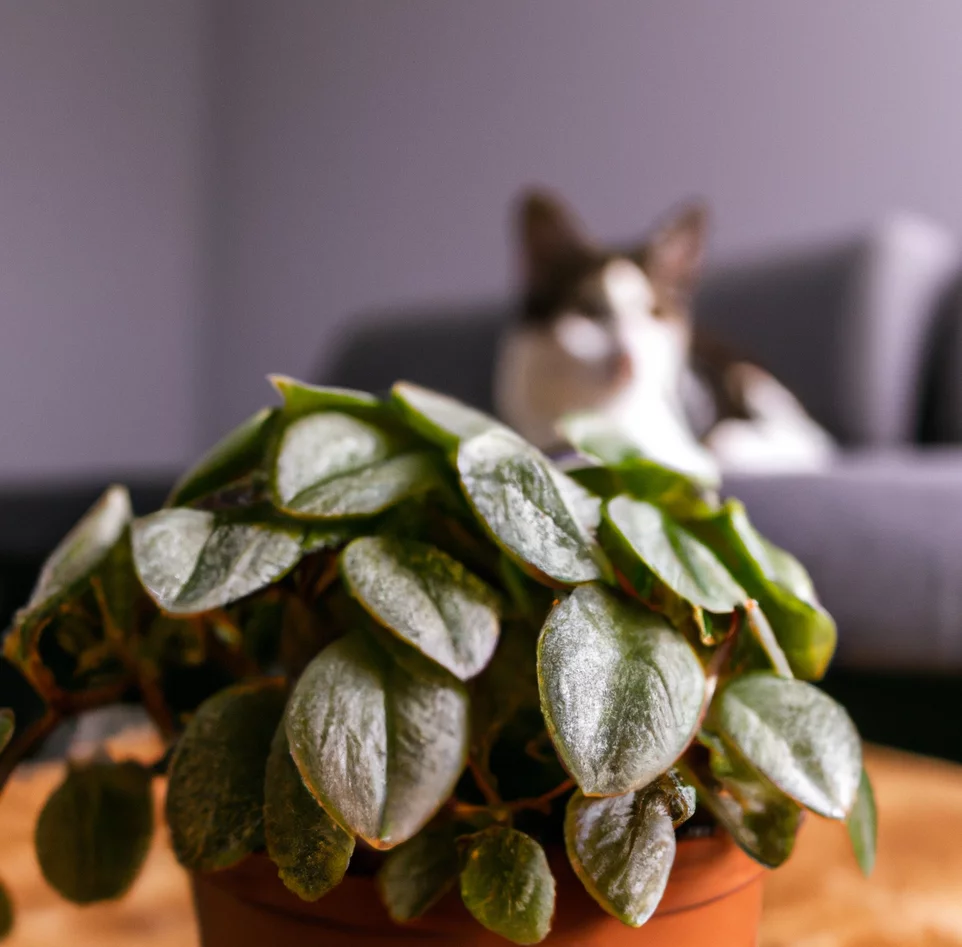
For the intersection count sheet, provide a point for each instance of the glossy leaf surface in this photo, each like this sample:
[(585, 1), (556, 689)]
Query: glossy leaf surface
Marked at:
[(441, 419)]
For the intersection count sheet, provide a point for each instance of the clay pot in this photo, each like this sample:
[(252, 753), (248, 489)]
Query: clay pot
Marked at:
[(714, 897)]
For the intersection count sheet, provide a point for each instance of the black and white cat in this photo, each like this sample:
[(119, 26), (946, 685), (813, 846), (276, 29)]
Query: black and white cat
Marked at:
[(609, 332)]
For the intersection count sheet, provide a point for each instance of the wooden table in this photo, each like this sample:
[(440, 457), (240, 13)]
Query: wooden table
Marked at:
[(819, 899)]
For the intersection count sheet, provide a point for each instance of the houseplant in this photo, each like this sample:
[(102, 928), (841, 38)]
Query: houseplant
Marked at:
[(393, 646)]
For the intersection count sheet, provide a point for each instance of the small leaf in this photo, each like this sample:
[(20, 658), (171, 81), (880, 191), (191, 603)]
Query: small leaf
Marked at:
[(777, 581), (191, 561), (301, 398), (506, 884), (427, 599), (796, 736), (95, 830), (621, 690), (515, 493), (417, 874), (230, 459), (381, 748), (7, 726), (310, 849), (439, 418), (215, 797), (651, 540), (863, 826), (6, 913), (331, 465), (622, 848), (80, 552)]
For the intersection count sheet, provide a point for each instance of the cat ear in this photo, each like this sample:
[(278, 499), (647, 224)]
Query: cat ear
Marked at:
[(672, 257), (548, 234)]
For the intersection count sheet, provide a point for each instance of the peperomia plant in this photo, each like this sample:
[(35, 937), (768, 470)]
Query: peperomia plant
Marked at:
[(392, 631)]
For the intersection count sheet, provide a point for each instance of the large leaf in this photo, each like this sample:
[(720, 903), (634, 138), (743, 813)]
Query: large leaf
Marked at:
[(331, 465), (507, 885), (622, 848), (805, 631), (863, 826), (94, 831), (417, 874), (80, 552), (439, 418), (215, 797), (380, 747), (192, 561), (761, 820), (621, 690), (301, 398), (655, 543), (6, 913), (796, 736), (427, 599), (234, 456), (310, 849), (515, 492)]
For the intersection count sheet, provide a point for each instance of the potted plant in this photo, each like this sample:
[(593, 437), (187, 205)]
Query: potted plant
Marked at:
[(400, 655)]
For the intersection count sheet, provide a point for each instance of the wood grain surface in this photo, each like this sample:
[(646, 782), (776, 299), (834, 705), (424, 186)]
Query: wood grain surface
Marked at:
[(819, 899)]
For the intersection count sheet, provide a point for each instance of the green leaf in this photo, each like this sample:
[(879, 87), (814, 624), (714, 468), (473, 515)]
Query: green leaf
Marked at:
[(427, 599), (417, 874), (805, 631), (6, 913), (191, 561), (652, 543), (796, 736), (761, 820), (621, 690), (301, 398), (215, 797), (515, 492), (506, 884), (80, 553), (310, 849), (7, 726), (238, 453), (863, 826), (331, 465), (439, 418), (95, 830), (622, 848), (380, 747)]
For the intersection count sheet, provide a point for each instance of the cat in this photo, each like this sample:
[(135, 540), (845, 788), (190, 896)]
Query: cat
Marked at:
[(608, 332)]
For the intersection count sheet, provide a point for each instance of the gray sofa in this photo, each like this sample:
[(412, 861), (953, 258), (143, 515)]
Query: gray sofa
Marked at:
[(866, 333)]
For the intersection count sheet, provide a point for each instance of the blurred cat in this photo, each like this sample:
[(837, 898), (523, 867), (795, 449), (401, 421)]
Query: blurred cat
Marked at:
[(609, 332)]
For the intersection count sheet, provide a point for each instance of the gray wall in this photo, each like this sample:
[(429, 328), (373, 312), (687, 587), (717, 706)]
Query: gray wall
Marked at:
[(102, 233), (374, 146)]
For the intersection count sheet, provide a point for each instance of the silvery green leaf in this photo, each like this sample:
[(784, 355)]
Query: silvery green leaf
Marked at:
[(796, 736), (231, 458), (761, 631), (506, 884), (440, 418), (301, 398), (621, 690), (863, 826), (417, 874), (310, 849), (805, 631), (658, 544), (332, 465), (427, 599), (515, 492), (191, 561), (81, 551), (622, 848), (215, 795), (94, 831), (380, 747)]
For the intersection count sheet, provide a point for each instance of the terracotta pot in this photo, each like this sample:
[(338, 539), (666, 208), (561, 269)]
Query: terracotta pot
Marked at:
[(714, 897)]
